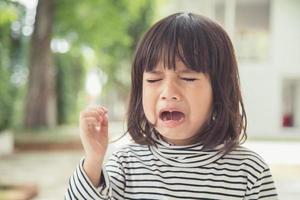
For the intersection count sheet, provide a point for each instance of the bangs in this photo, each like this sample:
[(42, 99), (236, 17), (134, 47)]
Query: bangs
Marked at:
[(177, 40)]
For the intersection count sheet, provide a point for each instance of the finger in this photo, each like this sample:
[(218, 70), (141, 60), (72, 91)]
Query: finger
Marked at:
[(101, 111), (104, 124), (104, 115), (104, 109), (93, 126), (92, 129), (88, 111), (90, 120), (104, 119), (88, 114), (97, 108)]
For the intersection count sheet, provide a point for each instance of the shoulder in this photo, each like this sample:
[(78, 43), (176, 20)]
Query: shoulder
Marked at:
[(256, 171), (126, 156), (247, 158), (130, 147), (129, 150), (247, 163)]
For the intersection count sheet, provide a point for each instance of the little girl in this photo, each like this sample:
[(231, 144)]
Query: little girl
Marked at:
[(186, 118)]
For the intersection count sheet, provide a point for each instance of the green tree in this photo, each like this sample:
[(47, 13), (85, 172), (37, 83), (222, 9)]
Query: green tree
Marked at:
[(9, 48), (69, 82), (41, 97), (111, 29)]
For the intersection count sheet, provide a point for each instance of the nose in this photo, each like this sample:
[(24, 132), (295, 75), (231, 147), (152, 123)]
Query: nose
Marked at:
[(170, 92)]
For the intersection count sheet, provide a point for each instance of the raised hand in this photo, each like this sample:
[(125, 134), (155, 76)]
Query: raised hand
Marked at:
[(93, 123)]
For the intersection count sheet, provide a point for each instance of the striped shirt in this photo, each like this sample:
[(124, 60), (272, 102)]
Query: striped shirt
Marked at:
[(177, 172)]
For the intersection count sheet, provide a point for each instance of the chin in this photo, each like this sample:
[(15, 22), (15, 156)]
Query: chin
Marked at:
[(174, 136)]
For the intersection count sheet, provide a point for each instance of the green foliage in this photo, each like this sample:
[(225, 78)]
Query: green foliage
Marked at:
[(70, 76), (6, 98), (97, 23), (8, 13), (110, 28)]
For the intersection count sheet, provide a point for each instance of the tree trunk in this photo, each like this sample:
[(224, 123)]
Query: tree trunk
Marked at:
[(41, 97)]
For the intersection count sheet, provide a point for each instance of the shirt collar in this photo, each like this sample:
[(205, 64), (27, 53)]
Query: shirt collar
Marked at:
[(194, 155)]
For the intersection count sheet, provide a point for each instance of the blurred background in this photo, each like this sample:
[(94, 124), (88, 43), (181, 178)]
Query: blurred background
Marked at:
[(59, 56)]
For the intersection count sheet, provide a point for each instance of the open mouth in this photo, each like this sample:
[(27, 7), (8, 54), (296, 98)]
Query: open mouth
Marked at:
[(171, 116)]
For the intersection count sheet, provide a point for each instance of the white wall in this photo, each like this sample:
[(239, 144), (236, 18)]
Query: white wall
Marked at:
[(286, 36), (261, 94), (262, 83), (286, 44), (297, 105)]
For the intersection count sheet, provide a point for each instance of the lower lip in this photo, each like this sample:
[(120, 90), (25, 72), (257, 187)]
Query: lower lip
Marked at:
[(172, 123)]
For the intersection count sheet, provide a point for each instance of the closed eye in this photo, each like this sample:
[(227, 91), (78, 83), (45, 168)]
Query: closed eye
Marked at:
[(189, 79), (152, 80)]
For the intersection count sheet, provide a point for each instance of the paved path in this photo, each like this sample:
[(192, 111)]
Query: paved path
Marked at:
[(48, 170), (51, 170)]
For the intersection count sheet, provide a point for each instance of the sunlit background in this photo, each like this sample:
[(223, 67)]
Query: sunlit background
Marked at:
[(58, 57)]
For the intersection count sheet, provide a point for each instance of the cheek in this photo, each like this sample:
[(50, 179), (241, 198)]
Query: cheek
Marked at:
[(149, 105), (202, 106)]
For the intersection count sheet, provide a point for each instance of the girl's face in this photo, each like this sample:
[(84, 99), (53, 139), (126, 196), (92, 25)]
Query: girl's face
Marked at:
[(177, 102)]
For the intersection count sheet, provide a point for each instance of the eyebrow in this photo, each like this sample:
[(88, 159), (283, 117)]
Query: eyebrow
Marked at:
[(183, 71), (186, 71), (153, 72)]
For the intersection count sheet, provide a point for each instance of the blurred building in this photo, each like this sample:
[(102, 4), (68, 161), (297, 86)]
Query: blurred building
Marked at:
[(266, 36)]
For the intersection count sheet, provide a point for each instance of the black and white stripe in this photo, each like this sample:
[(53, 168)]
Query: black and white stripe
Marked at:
[(177, 172)]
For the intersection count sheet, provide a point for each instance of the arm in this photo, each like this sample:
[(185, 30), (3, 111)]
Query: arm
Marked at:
[(81, 187), (111, 187), (93, 170), (93, 124), (263, 187)]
